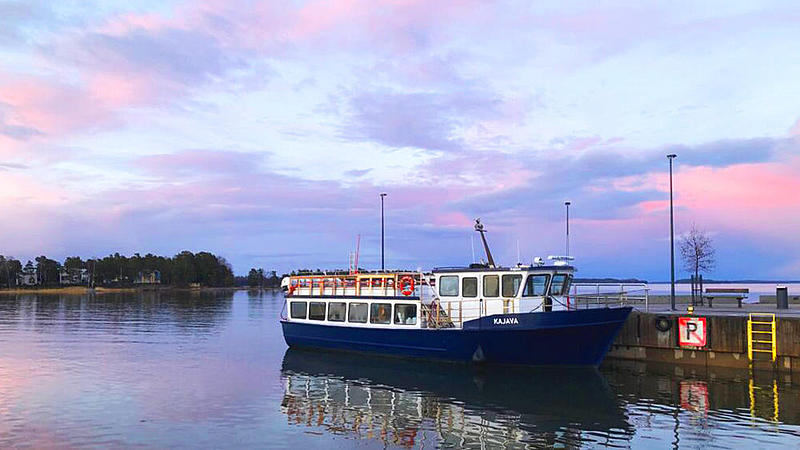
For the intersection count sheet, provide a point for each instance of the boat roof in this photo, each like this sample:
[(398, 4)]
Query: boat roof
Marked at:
[(565, 268)]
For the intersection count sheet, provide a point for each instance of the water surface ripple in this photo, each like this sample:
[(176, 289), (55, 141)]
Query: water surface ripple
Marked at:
[(211, 370)]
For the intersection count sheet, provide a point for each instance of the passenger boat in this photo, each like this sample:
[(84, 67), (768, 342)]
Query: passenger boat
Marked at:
[(482, 313)]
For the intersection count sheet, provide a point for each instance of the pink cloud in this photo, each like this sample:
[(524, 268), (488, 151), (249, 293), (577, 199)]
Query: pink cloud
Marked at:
[(20, 188), (651, 206), (745, 195), (134, 60), (453, 219), (39, 104), (736, 197), (114, 91), (56, 108)]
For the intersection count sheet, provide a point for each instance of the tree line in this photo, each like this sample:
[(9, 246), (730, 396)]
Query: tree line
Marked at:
[(183, 269), (260, 278)]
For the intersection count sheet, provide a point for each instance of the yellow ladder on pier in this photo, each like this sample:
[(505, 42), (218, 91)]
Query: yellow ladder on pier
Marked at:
[(760, 333)]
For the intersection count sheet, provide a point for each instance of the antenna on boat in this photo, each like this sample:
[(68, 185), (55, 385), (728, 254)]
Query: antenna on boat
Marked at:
[(472, 244), (354, 257), (519, 261), (479, 228)]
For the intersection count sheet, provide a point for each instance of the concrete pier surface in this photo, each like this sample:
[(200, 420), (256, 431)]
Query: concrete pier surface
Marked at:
[(726, 337), (723, 309), (762, 304)]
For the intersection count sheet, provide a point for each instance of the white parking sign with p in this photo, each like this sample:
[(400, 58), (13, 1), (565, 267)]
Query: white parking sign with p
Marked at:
[(692, 331)]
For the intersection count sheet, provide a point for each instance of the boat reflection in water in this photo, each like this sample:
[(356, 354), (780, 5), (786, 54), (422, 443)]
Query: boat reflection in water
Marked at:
[(407, 404)]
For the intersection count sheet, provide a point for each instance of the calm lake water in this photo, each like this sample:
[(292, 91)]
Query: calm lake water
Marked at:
[(211, 370)]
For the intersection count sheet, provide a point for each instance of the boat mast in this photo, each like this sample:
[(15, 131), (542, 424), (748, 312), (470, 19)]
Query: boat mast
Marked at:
[(358, 249), (479, 228)]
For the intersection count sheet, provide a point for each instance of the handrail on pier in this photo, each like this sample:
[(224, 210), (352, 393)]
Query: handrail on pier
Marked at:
[(601, 294)]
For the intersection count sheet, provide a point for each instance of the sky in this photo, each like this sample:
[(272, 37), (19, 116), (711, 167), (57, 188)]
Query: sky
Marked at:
[(264, 131)]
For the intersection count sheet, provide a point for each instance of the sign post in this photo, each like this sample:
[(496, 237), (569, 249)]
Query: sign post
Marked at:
[(692, 331)]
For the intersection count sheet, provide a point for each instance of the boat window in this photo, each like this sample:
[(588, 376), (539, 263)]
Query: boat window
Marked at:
[(316, 311), (380, 313), (491, 285), (357, 313), (511, 285), (560, 284), (535, 285), (405, 314), (448, 286), (336, 311), (298, 310), (469, 286)]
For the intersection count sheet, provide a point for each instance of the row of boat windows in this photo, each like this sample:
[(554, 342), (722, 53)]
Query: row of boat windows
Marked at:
[(493, 285), (355, 312)]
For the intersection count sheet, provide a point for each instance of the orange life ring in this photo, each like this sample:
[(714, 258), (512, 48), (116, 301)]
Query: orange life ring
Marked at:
[(407, 285), (292, 288)]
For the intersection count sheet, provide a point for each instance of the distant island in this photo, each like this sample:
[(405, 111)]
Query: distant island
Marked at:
[(680, 281), (610, 280), (712, 281)]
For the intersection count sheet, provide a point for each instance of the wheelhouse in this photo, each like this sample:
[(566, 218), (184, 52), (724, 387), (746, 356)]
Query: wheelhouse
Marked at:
[(470, 293)]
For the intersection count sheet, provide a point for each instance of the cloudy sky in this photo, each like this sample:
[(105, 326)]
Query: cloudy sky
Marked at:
[(264, 131)]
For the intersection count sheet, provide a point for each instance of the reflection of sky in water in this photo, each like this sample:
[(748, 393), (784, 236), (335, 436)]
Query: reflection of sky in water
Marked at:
[(211, 370)]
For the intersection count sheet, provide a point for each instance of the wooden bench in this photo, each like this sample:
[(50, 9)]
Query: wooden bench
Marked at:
[(726, 293)]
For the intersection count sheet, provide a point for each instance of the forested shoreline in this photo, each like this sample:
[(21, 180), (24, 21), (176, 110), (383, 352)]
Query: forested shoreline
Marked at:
[(116, 270)]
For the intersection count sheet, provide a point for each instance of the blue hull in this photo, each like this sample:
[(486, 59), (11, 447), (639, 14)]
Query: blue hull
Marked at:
[(574, 338)]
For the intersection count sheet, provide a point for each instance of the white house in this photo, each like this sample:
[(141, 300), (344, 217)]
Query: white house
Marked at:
[(28, 276)]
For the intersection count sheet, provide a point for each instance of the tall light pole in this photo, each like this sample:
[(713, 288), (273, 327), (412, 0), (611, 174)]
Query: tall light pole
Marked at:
[(383, 194), (671, 156), (567, 205)]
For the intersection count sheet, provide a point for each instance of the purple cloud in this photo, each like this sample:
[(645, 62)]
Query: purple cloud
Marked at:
[(420, 120)]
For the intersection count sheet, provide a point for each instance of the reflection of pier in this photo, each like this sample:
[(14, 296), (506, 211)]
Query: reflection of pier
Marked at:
[(418, 404), (705, 399)]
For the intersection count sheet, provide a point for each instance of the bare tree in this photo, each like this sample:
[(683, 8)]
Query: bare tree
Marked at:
[(697, 251)]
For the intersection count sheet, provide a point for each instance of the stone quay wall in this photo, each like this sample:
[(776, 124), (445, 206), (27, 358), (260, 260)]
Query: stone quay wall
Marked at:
[(726, 342)]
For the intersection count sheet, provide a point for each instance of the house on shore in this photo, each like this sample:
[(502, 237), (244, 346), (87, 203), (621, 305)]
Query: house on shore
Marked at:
[(29, 276), (73, 276), (148, 277)]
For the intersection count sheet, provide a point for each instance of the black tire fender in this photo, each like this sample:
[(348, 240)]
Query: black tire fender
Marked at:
[(663, 323)]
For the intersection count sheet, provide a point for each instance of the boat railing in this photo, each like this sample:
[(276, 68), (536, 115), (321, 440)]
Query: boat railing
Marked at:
[(443, 313), (394, 284), (602, 295), (436, 317)]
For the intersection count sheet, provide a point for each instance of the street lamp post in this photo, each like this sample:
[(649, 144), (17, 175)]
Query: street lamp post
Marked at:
[(567, 205), (671, 156), (383, 194)]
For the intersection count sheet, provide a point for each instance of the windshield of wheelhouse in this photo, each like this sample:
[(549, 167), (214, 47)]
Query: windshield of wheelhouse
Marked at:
[(535, 285), (560, 284)]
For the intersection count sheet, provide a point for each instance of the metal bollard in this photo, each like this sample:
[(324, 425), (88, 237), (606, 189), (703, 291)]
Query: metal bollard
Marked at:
[(782, 294)]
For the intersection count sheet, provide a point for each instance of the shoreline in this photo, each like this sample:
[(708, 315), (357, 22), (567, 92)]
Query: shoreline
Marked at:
[(79, 290)]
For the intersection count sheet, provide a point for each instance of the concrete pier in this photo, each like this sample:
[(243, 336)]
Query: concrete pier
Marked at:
[(726, 340)]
